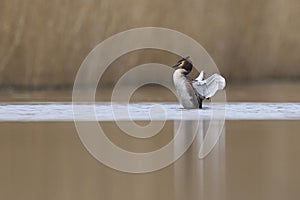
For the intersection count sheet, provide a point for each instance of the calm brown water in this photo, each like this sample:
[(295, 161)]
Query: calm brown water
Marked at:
[(46, 160)]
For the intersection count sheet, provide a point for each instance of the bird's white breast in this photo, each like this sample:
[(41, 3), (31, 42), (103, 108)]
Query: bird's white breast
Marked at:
[(184, 90)]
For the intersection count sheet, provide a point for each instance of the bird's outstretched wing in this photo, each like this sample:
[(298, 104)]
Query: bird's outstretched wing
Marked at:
[(208, 87)]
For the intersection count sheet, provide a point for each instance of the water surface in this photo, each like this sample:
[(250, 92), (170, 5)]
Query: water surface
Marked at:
[(46, 160)]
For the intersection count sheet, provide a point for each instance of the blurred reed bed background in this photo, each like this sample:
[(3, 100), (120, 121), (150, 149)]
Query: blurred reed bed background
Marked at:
[(43, 43)]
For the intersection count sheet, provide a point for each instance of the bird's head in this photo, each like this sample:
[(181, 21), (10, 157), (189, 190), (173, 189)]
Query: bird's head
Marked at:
[(185, 64)]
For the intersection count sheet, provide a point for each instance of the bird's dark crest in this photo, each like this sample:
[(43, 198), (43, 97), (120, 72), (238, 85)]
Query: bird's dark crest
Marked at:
[(184, 63), (186, 58)]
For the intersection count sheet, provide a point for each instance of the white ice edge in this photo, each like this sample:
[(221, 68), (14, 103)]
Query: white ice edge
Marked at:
[(63, 111)]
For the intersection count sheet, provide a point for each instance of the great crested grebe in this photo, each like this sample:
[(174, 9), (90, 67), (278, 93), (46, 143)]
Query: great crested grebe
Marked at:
[(192, 92)]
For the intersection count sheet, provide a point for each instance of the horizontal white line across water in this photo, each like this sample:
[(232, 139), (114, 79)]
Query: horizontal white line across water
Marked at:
[(104, 111)]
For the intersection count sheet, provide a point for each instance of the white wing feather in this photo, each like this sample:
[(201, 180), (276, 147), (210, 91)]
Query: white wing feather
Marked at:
[(208, 87)]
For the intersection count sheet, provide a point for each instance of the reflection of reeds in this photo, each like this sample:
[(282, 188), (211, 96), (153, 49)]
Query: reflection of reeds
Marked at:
[(44, 42)]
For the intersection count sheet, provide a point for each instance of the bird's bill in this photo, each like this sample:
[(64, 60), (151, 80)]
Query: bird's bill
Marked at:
[(176, 65)]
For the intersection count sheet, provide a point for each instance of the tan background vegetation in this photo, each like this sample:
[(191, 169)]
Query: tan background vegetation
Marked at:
[(42, 43)]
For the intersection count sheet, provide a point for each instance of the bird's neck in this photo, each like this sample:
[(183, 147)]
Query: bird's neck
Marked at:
[(183, 72)]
